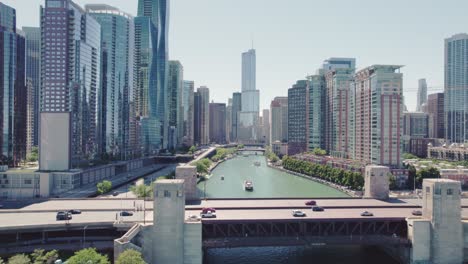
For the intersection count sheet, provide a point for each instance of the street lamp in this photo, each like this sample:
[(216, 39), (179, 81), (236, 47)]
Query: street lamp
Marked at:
[(84, 235)]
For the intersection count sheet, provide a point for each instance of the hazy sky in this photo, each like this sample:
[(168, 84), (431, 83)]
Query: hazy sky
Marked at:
[(293, 37)]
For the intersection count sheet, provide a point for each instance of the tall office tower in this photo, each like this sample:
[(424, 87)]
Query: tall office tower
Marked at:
[(157, 11), (197, 105), (265, 127), (203, 112), (317, 92), (422, 95), (435, 109), (338, 63), (248, 121), (416, 124), (188, 113), (217, 123), (228, 120), (33, 83), (378, 105), (236, 109), (336, 111), (175, 87), (298, 118), (456, 87), (70, 82), (279, 119), (13, 90), (117, 45)]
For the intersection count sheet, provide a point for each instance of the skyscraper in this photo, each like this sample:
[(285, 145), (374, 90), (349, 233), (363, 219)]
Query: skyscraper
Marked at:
[(317, 112), (435, 109), (265, 127), (456, 88), (70, 82), (202, 118), (338, 63), (188, 113), (236, 109), (229, 120), (416, 124), (217, 123), (175, 87), (248, 125), (197, 107), (33, 83), (158, 13), (279, 119), (422, 94), (377, 95), (298, 118), (117, 44)]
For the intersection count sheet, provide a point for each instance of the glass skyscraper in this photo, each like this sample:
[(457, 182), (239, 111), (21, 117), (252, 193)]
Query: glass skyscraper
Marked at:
[(248, 121), (117, 41), (188, 112), (298, 112), (236, 108), (175, 86), (317, 92), (456, 88)]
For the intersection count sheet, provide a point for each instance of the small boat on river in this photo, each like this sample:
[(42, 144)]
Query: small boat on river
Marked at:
[(248, 185), (257, 163)]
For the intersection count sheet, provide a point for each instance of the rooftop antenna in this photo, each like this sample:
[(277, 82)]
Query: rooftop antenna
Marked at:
[(252, 41)]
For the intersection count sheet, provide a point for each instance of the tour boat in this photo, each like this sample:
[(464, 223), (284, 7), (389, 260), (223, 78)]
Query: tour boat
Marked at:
[(248, 185)]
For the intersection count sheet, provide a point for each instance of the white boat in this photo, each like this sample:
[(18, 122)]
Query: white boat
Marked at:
[(248, 185), (257, 163)]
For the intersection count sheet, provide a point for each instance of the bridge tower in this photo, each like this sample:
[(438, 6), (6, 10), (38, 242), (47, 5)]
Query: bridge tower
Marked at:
[(437, 238), (376, 182)]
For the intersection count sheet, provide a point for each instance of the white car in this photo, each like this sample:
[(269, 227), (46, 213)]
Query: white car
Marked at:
[(208, 214), (193, 218), (298, 213)]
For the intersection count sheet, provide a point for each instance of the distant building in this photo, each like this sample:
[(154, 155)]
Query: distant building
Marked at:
[(422, 95), (338, 63), (452, 152), (202, 116), (229, 120), (188, 113), (265, 127), (217, 123), (317, 112), (236, 109), (419, 146), (298, 120), (456, 88), (279, 148), (248, 117), (174, 103), (416, 125), (279, 119), (435, 109)]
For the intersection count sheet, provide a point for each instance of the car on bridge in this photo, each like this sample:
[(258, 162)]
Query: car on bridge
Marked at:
[(208, 214), (63, 216), (126, 213), (206, 209), (74, 211), (298, 213), (193, 218), (416, 212), (317, 209), (367, 213), (311, 202)]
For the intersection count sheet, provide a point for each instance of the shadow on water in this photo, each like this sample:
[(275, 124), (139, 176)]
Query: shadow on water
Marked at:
[(298, 255)]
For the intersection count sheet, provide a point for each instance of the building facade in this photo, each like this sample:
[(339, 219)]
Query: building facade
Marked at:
[(298, 120), (236, 109), (422, 95), (202, 116), (229, 120), (188, 113), (217, 123), (175, 87), (317, 92), (117, 45), (33, 83), (456, 86), (435, 109), (249, 115), (416, 125), (279, 119)]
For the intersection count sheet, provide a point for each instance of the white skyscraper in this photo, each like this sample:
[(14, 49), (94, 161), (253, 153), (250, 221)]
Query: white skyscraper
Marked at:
[(247, 131)]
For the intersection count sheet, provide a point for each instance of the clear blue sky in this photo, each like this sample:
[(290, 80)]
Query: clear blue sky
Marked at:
[(293, 37)]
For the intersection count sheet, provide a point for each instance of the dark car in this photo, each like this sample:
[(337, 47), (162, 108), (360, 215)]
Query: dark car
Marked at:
[(115, 193), (317, 209), (126, 213), (206, 209), (63, 216), (416, 212), (367, 213), (74, 211), (311, 202)]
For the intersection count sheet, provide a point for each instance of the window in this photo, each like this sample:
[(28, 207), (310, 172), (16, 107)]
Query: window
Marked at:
[(428, 189), (167, 194), (27, 181), (437, 191), (449, 191)]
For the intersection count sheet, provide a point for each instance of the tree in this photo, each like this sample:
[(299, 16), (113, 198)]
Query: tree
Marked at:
[(319, 152), (39, 256), (201, 168), (431, 173), (34, 155), (19, 259), (142, 191), (409, 156), (130, 256), (104, 187), (88, 255), (392, 182), (411, 177), (192, 150)]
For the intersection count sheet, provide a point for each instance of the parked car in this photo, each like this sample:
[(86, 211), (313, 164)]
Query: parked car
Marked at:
[(115, 193), (126, 213), (74, 211), (206, 209), (367, 213), (208, 214), (298, 213), (318, 209), (311, 202), (63, 216), (417, 212), (194, 218)]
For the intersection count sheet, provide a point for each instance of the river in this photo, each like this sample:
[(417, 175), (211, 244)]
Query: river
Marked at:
[(269, 183)]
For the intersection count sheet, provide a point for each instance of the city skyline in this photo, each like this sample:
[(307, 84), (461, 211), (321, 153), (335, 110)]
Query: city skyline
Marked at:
[(422, 57)]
